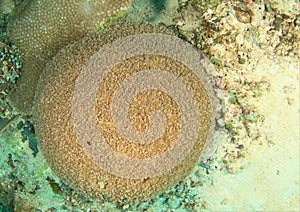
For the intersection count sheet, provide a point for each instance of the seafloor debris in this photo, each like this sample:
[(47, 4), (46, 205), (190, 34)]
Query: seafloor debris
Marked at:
[(234, 34), (10, 70)]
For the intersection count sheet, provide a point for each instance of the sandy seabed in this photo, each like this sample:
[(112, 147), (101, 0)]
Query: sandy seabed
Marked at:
[(270, 178)]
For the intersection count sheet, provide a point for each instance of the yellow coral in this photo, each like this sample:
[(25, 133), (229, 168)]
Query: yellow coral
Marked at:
[(175, 112), (43, 27)]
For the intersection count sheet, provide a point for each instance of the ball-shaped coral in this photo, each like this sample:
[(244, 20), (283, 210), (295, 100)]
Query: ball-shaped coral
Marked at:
[(124, 114)]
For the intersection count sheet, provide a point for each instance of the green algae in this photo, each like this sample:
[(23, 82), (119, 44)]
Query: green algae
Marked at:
[(3, 24), (22, 176), (54, 186)]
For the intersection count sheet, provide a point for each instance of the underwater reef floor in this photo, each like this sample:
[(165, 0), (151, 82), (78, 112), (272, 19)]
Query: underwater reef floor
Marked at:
[(256, 168)]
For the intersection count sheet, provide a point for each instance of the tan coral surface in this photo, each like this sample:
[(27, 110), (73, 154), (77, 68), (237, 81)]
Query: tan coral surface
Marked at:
[(185, 102)]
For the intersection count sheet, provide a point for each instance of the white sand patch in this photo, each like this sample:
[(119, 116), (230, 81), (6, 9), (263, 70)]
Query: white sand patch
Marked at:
[(270, 180)]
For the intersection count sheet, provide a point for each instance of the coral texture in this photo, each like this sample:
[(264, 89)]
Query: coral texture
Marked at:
[(149, 104), (43, 27)]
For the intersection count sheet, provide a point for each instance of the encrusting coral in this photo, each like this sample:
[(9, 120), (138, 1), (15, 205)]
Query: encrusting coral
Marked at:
[(82, 163), (40, 28)]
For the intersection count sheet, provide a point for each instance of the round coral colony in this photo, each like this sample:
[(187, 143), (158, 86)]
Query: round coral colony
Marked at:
[(122, 114), (125, 113)]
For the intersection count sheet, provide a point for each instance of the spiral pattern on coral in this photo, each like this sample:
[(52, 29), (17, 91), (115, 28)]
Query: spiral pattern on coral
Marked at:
[(124, 114), (145, 109)]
